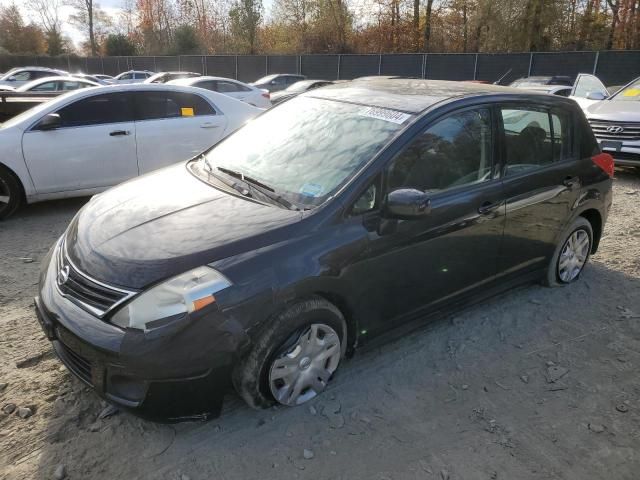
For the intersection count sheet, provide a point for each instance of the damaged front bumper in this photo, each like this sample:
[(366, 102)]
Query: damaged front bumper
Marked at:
[(176, 374)]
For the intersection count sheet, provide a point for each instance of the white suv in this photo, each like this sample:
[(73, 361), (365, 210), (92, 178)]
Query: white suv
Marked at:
[(614, 119)]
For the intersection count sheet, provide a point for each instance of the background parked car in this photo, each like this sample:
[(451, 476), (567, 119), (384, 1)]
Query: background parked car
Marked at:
[(90, 139), (542, 80), (102, 76), (561, 90), (19, 76), (164, 77), (614, 119), (278, 81), (298, 88), (233, 88), (56, 84), (132, 76), (94, 78)]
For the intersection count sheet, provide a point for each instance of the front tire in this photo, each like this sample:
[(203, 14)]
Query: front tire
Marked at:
[(571, 254), (10, 193), (294, 356)]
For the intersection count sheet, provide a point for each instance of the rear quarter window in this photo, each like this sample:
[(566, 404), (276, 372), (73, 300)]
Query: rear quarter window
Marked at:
[(161, 105)]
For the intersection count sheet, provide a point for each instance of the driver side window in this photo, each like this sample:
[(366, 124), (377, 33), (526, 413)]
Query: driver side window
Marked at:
[(454, 151)]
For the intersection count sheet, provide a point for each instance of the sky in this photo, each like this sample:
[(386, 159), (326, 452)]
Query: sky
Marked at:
[(111, 7)]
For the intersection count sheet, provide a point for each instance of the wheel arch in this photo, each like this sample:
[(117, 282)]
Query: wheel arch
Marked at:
[(594, 217), (348, 312), (10, 171)]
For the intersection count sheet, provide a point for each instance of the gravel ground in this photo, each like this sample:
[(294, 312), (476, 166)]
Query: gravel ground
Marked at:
[(535, 384)]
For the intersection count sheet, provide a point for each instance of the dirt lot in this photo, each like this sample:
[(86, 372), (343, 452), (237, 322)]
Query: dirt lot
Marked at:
[(536, 384)]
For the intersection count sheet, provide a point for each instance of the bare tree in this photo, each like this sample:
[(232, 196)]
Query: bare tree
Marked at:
[(84, 17), (48, 14), (427, 26)]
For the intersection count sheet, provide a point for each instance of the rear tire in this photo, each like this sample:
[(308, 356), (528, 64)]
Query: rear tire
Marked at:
[(10, 193), (252, 377), (571, 254)]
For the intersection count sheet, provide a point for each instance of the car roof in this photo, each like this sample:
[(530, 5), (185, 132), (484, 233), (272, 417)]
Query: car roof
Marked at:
[(409, 95), (42, 69), (544, 88), (60, 78), (192, 80)]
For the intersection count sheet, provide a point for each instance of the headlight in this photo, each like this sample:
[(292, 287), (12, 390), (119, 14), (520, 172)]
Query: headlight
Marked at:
[(185, 293)]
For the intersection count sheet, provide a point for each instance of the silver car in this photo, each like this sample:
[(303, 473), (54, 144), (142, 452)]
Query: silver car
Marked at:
[(614, 119), (17, 77)]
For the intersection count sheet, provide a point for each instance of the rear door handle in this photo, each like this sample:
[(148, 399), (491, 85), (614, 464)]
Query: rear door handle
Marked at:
[(208, 125), (571, 182), (487, 207), (117, 133)]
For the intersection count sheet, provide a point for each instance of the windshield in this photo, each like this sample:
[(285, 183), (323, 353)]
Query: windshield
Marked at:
[(630, 93), (266, 79), (307, 148), (299, 86)]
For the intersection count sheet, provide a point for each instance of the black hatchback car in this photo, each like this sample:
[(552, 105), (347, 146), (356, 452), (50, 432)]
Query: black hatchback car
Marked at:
[(322, 223)]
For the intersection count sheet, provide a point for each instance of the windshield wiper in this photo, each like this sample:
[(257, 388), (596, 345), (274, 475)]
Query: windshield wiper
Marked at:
[(245, 178), (263, 188)]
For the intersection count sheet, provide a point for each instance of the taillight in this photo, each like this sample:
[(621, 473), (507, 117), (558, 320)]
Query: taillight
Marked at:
[(267, 95), (605, 162)]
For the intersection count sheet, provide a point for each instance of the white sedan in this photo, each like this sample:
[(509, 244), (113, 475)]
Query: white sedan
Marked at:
[(257, 97), (56, 84), (90, 139)]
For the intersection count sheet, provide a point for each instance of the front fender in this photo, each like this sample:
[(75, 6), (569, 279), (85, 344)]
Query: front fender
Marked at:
[(12, 158)]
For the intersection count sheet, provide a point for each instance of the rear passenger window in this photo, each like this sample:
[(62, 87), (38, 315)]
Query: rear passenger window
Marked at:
[(46, 87), (453, 152), (227, 87), (527, 139), (158, 105), (100, 109), (22, 77), (562, 140)]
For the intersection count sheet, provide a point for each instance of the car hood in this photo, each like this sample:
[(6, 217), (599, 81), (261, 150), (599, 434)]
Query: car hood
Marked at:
[(166, 223), (615, 111)]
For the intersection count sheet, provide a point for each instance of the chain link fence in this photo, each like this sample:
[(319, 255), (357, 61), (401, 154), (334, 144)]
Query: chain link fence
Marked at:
[(613, 67)]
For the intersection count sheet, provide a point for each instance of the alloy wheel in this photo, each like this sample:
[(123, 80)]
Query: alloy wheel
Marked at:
[(304, 369), (573, 255)]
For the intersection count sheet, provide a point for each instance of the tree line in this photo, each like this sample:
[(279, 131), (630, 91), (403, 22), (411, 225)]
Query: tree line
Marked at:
[(173, 27)]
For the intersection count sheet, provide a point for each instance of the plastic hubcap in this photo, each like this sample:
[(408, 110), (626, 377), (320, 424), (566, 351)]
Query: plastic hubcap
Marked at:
[(303, 371), (573, 256)]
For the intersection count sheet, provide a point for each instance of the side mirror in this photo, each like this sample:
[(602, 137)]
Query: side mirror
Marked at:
[(50, 121), (407, 203), (596, 96)]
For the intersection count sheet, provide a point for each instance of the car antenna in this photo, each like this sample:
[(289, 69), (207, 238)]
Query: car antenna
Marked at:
[(497, 82)]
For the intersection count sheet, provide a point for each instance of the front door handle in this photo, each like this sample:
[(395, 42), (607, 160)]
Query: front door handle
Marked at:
[(118, 133), (571, 182), (208, 125), (487, 207)]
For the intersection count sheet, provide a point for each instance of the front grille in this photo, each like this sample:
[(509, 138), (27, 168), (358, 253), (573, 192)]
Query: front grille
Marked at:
[(75, 362), (93, 296), (630, 130)]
